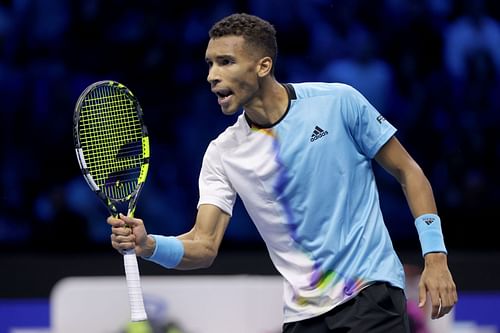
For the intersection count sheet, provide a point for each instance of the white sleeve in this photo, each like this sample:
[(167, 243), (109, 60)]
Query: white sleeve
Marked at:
[(214, 186)]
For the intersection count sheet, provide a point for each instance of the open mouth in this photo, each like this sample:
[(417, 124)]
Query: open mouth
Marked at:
[(223, 95)]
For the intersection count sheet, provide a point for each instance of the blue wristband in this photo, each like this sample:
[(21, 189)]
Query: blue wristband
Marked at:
[(430, 233), (168, 251)]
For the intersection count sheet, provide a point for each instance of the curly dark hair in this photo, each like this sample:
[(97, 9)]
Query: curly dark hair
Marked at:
[(258, 33)]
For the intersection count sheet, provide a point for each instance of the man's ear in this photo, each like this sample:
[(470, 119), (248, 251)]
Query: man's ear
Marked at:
[(265, 66)]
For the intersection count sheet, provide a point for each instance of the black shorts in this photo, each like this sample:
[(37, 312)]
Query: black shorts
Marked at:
[(379, 308)]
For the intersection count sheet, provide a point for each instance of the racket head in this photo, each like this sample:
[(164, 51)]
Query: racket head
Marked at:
[(111, 143)]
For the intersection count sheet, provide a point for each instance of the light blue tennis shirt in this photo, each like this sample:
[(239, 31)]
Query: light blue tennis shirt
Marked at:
[(308, 185)]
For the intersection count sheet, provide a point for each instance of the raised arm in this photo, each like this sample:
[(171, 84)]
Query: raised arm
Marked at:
[(436, 278), (194, 249)]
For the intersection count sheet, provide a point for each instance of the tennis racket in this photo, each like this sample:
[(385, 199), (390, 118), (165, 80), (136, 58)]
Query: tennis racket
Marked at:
[(112, 148)]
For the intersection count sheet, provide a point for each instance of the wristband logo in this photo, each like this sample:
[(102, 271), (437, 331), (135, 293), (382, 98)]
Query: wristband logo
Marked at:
[(429, 220)]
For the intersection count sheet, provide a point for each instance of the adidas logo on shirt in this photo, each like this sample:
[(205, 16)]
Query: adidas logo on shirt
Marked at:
[(318, 133)]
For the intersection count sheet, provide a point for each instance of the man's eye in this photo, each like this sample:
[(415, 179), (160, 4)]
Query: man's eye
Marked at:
[(226, 62)]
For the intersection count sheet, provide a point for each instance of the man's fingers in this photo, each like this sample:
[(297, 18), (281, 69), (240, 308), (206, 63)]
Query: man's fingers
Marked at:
[(130, 221), (433, 296), (448, 300), (123, 242), (115, 222), (123, 246), (422, 296), (121, 231), (126, 232), (123, 220), (437, 306), (442, 307), (125, 238)]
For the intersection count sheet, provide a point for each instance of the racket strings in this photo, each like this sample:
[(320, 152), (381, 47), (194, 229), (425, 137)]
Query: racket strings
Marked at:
[(111, 139)]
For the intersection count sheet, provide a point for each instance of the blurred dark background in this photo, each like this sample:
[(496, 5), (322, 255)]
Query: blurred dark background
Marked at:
[(431, 68)]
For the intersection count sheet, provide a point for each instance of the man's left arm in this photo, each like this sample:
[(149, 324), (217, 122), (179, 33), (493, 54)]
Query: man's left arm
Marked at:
[(436, 280)]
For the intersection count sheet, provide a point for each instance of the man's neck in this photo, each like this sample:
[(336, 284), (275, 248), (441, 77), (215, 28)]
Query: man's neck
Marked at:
[(269, 106)]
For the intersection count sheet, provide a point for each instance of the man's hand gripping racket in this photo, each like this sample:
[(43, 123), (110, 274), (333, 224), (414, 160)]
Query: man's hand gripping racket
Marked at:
[(112, 147)]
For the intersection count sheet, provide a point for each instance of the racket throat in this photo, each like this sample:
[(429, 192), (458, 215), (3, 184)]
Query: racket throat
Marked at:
[(117, 207)]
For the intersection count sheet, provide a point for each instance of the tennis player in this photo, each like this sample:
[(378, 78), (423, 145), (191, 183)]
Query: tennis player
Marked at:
[(300, 157)]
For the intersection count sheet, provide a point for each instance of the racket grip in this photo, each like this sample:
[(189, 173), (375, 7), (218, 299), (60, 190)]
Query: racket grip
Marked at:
[(137, 310)]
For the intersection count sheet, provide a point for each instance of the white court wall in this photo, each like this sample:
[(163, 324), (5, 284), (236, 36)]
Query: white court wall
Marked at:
[(199, 304)]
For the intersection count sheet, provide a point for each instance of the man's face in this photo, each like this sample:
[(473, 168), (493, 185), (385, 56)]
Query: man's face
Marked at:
[(232, 72)]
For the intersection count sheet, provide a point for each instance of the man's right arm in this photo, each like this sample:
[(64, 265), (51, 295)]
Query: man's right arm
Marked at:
[(201, 243), (198, 247)]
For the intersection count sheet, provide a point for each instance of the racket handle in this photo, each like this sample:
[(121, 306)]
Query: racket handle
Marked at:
[(137, 310)]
